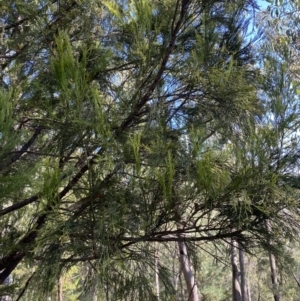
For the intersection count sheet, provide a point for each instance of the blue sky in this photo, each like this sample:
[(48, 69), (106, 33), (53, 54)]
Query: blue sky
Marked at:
[(263, 4)]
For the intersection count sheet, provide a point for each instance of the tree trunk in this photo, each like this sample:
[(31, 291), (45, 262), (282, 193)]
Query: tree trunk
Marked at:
[(156, 270), (176, 274), (236, 288), (274, 277), (189, 278), (187, 271), (251, 267), (243, 274), (95, 289), (249, 291), (181, 297), (59, 289), (273, 268)]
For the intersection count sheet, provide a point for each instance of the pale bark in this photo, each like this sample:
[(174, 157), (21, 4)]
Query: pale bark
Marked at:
[(249, 290), (156, 270), (95, 289), (176, 274), (181, 297), (243, 274), (251, 267), (186, 268), (272, 260), (274, 276), (236, 288), (188, 274)]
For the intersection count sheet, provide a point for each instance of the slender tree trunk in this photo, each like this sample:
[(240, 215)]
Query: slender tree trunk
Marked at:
[(189, 278), (59, 289), (249, 290), (236, 288), (274, 276), (176, 274), (181, 297), (243, 274), (156, 270), (187, 271), (272, 260), (251, 267), (95, 289)]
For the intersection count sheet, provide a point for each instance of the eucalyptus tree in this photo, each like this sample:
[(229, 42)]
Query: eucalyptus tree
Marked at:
[(121, 120)]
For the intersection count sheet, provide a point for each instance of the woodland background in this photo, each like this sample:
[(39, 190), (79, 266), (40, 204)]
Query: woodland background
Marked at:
[(149, 150)]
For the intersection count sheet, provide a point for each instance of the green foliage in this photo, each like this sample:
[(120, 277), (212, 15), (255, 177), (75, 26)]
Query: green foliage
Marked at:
[(129, 123)]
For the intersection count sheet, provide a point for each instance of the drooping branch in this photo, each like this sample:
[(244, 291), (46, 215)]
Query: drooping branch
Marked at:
[(9, 262)]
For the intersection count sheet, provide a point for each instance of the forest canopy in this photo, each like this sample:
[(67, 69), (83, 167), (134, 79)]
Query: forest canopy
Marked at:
[(147, 145)]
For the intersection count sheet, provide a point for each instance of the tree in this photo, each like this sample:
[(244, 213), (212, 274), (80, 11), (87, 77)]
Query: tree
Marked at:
[(244, 288), (236, 285), (119, 121), (278, 59), (186, 268)]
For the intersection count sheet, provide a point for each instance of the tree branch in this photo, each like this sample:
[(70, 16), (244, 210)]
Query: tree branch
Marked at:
[(132, 116), (24, 148)]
